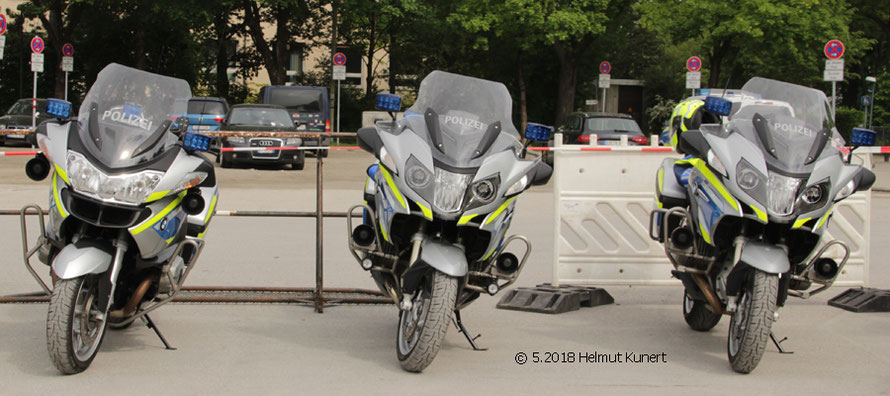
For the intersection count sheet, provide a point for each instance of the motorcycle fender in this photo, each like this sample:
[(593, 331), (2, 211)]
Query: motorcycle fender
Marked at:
[(447, 258), (765, 257), (81, 258)]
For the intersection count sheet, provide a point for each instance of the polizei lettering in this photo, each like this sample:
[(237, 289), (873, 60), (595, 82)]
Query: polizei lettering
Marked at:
[(465, 122), (117, 114), (799, 129)]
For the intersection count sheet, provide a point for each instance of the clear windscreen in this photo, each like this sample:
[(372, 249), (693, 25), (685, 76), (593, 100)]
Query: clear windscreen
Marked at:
[(125, 115), (791, 123), (466, 109)]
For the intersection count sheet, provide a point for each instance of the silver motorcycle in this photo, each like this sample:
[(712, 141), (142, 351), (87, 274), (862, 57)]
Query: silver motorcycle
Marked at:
[(438, 203), (130, 200)]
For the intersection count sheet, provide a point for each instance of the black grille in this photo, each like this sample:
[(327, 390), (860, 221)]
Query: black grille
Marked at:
[(102, 214), (266, 143)]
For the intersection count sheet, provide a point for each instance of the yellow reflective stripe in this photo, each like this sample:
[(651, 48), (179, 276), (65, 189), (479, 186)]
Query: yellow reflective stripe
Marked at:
[(824, 218), (62, 173), (690, 110), (157, 195), (466, 219), (703, 168), (57, 198), (704, 233), (158, 216), (760, 214), (426, 211), (392, 186), (383, 231), (170, 240), (212, 208), (800, 222), (660, 180), (490, 253), (498, 212), (201, 235), (674, 139)]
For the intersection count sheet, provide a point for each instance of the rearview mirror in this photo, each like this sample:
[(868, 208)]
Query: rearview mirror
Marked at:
[(369, 140), (693, 143)]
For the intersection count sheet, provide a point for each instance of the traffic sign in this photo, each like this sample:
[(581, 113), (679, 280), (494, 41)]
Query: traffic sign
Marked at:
[(865, 101), (605, 68), (37, 45), (339, 59), (605, 80), (68, 49), (2, 44), (339, 72), (834, 70), (2, 23), (37, 62), (67, 63), (693, 80), (834, 49), (693, 64)]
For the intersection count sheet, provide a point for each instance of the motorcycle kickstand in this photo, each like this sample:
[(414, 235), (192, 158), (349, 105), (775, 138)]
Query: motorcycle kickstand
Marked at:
[(463, 330), (151, 325), (778, 344)]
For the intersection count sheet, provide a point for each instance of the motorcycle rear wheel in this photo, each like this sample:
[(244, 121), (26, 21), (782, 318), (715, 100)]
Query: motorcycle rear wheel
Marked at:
[(752, 321), (422, 328), (697, 315), (75, 325)]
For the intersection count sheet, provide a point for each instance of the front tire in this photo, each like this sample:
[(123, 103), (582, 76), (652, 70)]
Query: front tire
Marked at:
[(422, 328), (697, 314), (75, 325), (752, 320)]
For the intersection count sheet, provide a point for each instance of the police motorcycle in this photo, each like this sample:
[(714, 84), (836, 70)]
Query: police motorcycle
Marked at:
[(438, 203), (130, 201), (742, 216)]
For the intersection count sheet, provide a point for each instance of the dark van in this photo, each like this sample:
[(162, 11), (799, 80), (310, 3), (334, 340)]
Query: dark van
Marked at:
[(309, 107)]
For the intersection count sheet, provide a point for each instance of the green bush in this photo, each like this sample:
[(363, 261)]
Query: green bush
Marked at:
[(847, 119)]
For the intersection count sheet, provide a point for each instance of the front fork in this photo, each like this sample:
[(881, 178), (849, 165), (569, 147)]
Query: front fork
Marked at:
[(109, 283)]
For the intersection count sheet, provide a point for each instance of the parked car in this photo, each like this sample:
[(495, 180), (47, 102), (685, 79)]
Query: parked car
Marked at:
[(261, 117), (608, 127), (309, 107), (19, 117), (206, 113)]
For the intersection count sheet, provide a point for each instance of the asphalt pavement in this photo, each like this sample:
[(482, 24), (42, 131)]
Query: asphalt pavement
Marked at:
[(289, 349)]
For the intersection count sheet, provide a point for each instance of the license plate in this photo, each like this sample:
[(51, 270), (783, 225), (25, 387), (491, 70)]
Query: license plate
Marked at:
[(265, 151), (201, 127)]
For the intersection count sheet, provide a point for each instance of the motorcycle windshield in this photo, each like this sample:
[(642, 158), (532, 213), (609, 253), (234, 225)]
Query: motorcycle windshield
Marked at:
[(791, 138), (125, 115), (462, 118)]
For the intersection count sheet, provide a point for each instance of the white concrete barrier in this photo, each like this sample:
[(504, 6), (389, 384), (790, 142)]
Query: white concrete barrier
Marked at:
[(602, 198)]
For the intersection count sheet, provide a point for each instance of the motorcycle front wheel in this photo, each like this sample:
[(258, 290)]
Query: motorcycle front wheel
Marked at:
[(422, 328), (75, 324), (751, 322)]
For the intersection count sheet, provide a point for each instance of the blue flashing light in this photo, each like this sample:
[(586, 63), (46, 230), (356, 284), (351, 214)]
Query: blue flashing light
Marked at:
[(196, 142), (718, 105), (538, 132), (704, 91), (58, 108), (388, 102), (862, 137)]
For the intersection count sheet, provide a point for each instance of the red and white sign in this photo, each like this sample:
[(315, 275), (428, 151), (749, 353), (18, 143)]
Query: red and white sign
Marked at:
[(834, 49), (693, 64), (339, 59), (68, 49), (605, 67), (2, 23), (37, 44)]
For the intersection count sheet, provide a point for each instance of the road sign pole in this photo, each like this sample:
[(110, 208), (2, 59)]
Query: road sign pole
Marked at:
[(834, 100), (34, 103), (604, 101), (338, 109), (66, 86)]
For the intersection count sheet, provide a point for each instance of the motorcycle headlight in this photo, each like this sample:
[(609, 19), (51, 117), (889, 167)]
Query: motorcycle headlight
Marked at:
[(483, 191), (128, 188), (751, 181), (517, 187), (450, 189), (417, 175), (813, 194), (846, 191), (716, 164), (782, 193)]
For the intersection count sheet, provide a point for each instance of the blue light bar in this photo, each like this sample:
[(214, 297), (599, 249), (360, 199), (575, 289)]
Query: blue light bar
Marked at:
[(718, 105), (388, 102), (538, 132), (58, 108), (196, 142), (862, 137), (704, 91)]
